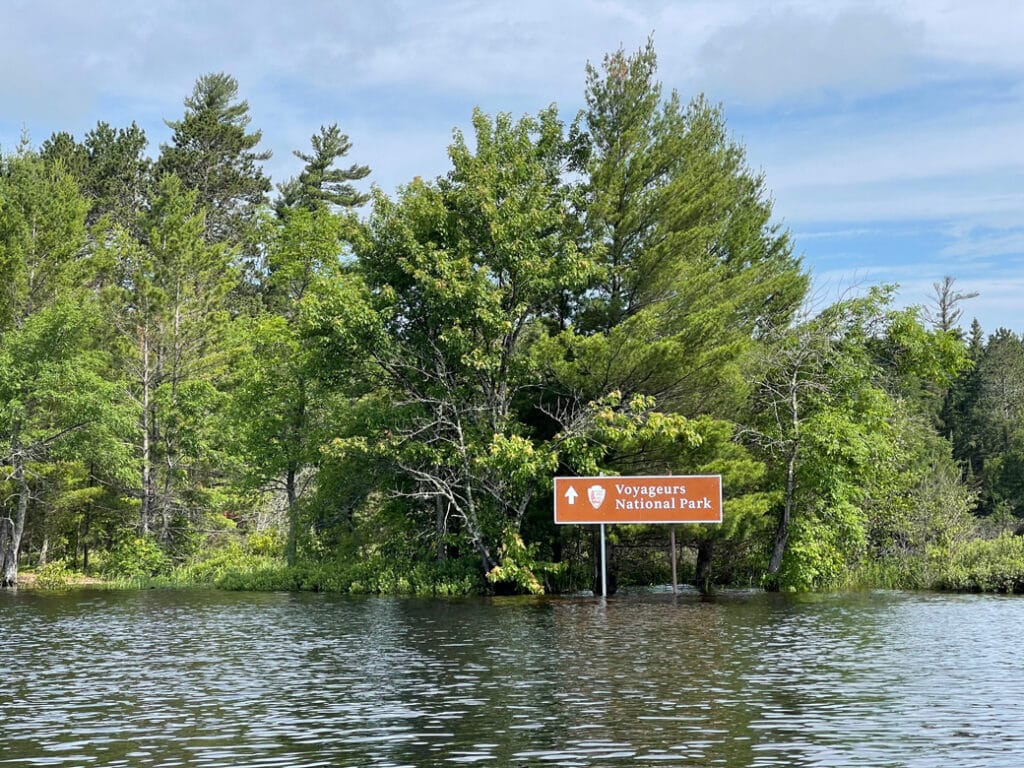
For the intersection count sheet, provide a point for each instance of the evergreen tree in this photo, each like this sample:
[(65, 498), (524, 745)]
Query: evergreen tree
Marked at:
[(320, 184), (674, 204), (213, 153), (109, 167), (62, 148), (168, 301), (692, 265), (118, 173), (990, 434)]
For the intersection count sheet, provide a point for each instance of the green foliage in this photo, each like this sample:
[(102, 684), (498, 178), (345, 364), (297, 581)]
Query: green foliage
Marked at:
[(612, 433), (842, 397), (993, 565), (380, 576), (42, 233), (519, 566), (54, 575), (456, 275), (109, 167), (310, 400), (279, 403), (319, 185), (167, 296), (137, 558), (214, 155), (690, 265), (233, 561), (265, 544), (235, 567), (985, 413), (823, 549)]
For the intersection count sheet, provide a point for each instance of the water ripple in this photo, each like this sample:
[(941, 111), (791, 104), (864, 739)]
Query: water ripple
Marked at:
[(167, 679)]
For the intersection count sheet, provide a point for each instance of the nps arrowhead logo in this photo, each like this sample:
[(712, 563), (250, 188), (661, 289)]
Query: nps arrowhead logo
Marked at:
[(595, 494)]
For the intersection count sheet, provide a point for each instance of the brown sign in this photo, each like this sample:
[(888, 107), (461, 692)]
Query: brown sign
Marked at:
[(666, 499)]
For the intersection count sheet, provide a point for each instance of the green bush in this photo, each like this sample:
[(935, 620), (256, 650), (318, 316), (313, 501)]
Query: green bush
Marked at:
[(137, 558), (213, 566), (256, 565), (358, 576), (54, 575), (987, 565), (267, 544), (268, 578)]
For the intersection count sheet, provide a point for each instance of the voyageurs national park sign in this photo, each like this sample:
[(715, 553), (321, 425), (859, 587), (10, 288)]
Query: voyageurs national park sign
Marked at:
[(660, 499)]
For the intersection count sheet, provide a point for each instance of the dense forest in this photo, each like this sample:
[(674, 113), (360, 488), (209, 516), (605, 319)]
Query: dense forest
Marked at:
[(207, 378)]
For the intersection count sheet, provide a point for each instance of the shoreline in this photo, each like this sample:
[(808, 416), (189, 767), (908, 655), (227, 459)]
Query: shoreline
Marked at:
[(29, 580)]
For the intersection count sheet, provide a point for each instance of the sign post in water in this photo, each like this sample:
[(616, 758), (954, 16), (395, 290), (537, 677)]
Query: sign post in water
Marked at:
[(648, 499)]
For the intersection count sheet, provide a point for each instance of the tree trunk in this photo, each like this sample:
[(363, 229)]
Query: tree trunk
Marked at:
[(84, 539), (8, 558), (166, 499), (441, 526), (81, 545), (292, 546), (44, 550), (147, 459), (297, 433), (12, 530), (782, 532)]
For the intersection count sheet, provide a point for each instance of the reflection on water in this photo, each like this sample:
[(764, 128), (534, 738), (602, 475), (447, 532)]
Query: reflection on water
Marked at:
[(746, 679)]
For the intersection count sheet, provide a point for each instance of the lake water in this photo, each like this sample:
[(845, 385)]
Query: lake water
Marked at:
[(743, 679)]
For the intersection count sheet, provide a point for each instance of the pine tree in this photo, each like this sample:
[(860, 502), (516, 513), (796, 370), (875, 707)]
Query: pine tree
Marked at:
[(168, 303), (214, 154), (320, 184), (110, 168), (691, 257)]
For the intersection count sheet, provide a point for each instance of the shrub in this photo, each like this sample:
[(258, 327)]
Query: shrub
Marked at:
[(987, 565), (137, 558), (267, 544), (54, 575)]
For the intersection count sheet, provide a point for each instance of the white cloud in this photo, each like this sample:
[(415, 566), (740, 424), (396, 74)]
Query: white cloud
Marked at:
[(930, 149), (789, 54), (893, 203), (987, 34)]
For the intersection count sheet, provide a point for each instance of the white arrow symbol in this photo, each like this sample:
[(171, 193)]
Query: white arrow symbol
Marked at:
[(571, 495)]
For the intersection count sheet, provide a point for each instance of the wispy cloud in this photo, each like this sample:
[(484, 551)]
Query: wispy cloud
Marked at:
[(986, 245)]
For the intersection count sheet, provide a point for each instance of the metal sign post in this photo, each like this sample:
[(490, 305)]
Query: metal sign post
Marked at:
[(644, 499), (675, 579), (604, 566)]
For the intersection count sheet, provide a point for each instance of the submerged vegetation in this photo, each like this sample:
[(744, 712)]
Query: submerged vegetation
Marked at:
[(205, 383)]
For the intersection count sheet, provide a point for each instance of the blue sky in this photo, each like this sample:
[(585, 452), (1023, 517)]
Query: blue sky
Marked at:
[(891, 134)]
